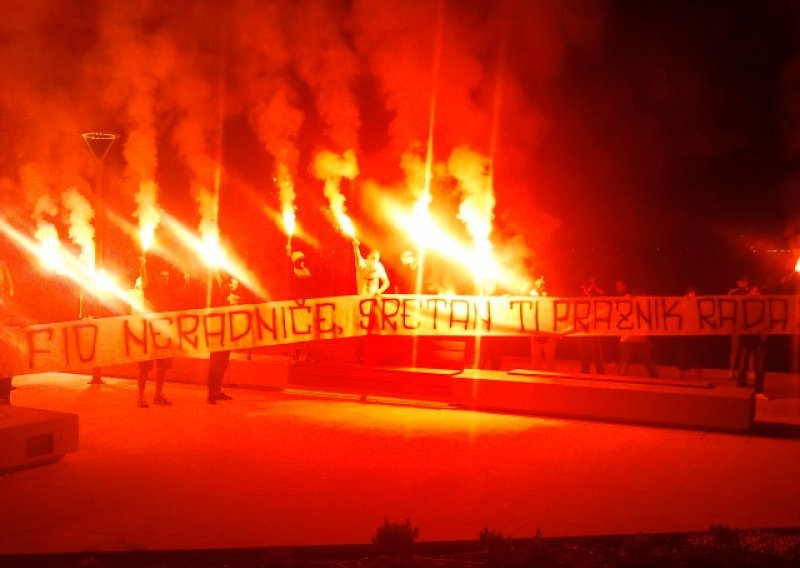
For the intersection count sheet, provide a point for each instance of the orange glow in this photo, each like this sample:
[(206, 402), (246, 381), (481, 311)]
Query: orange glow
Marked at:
[(279, 220), (286, 195), (147, 237), (289, 222), (49, 251), (421, 220), (484, 267), (430, 235), (345, 223), (797, 266), (476, 210), (103, 282), (427, 233), (332, 169), (148, 214), (209, 248)]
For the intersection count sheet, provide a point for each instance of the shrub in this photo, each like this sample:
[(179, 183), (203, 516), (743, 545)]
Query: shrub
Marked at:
[(395, 539)]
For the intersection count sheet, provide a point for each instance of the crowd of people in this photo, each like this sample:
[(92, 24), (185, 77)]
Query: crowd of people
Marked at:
[(747, 351), (166, 291), (160, 287)]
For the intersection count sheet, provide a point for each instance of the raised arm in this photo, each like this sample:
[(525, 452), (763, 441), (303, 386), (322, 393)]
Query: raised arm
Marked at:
[(357, 252)]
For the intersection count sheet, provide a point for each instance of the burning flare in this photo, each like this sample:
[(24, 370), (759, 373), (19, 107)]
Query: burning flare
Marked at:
[(49, 250), (211, 247), (148, 213), (332, 169), (476, 211), (286, 195), (424, 227)]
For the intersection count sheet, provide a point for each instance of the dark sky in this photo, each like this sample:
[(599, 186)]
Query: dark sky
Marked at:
[(672, 134), (677, 119)]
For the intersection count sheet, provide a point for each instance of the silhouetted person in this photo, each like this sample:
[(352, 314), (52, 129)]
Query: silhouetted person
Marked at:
[(751, 349), (543, 345), (408, 273), (591, 348), (300, 286), (743, 288), (227, 292), (371, 277), (689, 349), (632, 346), (161, 294), (372, 281)]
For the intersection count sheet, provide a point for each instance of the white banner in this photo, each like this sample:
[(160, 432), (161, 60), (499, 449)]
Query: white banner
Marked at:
[(88, 343)]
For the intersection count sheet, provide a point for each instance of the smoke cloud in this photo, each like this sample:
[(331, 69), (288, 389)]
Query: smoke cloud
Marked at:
[(81, 231), (323, 90), (332, 169)]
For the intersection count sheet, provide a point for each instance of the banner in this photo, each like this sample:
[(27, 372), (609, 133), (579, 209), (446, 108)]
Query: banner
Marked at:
[(88, 343)]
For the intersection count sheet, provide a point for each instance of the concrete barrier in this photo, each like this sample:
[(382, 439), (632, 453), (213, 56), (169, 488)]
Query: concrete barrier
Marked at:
[(31, 436)]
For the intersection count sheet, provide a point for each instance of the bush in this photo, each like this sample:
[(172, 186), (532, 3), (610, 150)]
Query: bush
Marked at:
[(395, 539), (499, 549)]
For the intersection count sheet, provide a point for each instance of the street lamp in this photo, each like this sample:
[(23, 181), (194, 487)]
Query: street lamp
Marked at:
[(99, 143)]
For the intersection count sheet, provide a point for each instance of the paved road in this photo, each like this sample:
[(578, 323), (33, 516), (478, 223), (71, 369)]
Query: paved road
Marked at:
[(268, 468)]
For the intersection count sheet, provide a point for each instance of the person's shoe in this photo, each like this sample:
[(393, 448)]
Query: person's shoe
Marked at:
[(761, 396), (161, 401), (222, 396), (142, 403)]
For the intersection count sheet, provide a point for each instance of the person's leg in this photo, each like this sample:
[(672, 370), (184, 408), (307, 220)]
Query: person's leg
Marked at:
[(161, 374), (585, 353), (597, 355), (536, 353), (214, 377), (217, 364), (144, 370), (759, 360), (647, 359), (735, 356), (624, 357), (744, 360)]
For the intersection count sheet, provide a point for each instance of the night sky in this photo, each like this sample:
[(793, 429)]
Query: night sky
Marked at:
[(655, 141)]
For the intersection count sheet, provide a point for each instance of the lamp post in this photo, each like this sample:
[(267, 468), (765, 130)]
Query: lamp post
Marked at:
[(99, 143)]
